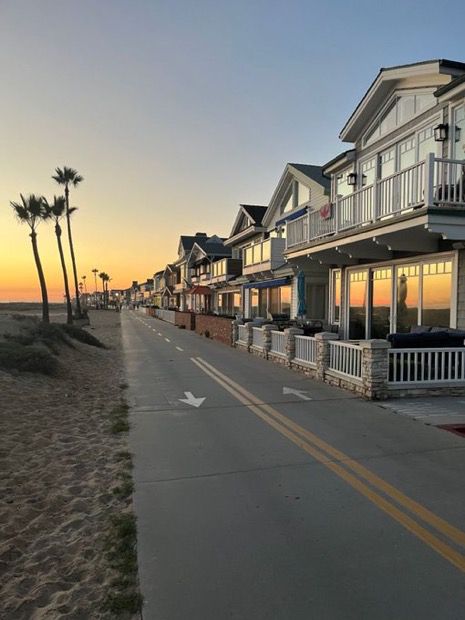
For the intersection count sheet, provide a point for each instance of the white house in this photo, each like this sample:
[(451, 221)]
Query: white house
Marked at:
[(393, 234)]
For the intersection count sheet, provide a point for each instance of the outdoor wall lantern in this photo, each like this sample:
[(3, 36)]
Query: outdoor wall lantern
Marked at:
[(352, 178), (440, 132)]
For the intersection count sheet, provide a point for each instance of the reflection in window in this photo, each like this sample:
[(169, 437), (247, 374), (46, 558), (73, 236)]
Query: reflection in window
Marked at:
[(357, 304), (273, 305), (381, 302), (254, 310), (408, 281), (437, 289), (336, 295), (285, 301)]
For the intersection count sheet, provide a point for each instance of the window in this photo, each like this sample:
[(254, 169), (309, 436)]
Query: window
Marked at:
[(289, 204), (408, 297), (368, 170), (399, 111), (381, 302), (303, 194), (358, 289), (285, 301), (436, 294), (459, 133), (342, 187), (336, 296)]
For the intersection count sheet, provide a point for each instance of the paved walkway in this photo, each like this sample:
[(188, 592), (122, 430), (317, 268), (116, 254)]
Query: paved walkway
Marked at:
[(260, 503)]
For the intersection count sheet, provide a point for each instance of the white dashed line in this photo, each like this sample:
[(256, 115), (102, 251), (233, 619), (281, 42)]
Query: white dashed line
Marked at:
[(167, 340), (160, 334), (179, 349)]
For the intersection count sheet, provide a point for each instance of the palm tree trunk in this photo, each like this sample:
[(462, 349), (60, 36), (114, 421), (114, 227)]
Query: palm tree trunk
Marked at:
[(73, 259), (40, 272), (69, 308)]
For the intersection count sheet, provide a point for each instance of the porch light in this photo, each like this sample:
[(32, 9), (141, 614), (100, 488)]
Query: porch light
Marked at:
[(352, 178), (440, 132)]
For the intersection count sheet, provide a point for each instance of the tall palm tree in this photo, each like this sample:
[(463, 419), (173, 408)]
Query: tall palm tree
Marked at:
[(102, 276), (56, 211), (68, 176), (95, 272), (32, 211)]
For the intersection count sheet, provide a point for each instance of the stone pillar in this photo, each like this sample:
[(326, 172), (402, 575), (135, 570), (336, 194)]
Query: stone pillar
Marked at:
[(267, 329), (291, 333), (322, 352), (375, 365), (235, 331), (248, 327)]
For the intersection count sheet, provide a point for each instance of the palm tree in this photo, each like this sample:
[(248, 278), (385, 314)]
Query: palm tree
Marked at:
[(102, 276), (32, 211), (95, 272), (56, 211), (68, 176), (84, 280)]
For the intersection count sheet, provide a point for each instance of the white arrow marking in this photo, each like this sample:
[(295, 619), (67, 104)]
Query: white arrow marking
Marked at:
[(300, 393), (191, 400)]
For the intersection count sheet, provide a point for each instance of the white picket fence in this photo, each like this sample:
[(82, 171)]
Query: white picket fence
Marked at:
[(426, 366), (345, 358), (165, 315), (305, 349), (278, 342)]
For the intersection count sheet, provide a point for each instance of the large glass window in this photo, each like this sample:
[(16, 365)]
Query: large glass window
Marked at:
[(368, 169), (237, 306), (289, 204), (254, 306), (358, 281), (426, 143), (408, 296), (436, 293), (336, 295), (381, 302), (387, 161), (285, 302), (273, 305)]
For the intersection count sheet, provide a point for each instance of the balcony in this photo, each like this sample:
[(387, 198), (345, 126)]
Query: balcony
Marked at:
[(264, 256), (434, 182), (225, 269)]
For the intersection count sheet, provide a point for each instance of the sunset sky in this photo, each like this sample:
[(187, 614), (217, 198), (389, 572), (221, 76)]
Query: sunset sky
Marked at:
[(176, 111)]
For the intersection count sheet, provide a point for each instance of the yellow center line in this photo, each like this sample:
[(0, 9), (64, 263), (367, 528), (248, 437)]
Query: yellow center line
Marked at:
[(276, 420)]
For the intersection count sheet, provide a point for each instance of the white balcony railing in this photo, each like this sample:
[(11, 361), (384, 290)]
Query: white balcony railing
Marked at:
[(434, 181)]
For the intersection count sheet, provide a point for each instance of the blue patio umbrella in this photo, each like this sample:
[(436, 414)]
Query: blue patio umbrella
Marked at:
[(301, 305)]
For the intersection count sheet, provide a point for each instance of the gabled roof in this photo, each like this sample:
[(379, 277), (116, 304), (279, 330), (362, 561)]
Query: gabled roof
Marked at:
[(313, 172), (213, 246), (444, 70), (255, 212), (187, 241), (447, 87), (300, 172)]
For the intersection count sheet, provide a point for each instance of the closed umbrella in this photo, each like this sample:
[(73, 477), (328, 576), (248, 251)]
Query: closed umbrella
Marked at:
[(301, 305)]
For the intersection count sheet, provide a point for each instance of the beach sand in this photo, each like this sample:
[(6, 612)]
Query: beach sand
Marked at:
[(58, 468)]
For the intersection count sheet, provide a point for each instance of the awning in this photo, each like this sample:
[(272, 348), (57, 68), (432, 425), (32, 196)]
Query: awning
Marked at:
[(268, 283), (200, 290), (292, 216)]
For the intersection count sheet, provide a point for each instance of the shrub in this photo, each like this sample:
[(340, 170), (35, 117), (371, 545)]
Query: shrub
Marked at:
[(15, 356), (82, 336)]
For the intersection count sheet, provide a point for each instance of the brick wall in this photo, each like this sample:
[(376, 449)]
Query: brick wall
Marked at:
[(215, 327), (186, 319)]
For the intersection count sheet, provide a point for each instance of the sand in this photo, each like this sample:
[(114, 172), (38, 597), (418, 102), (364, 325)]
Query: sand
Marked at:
[(58, 466)]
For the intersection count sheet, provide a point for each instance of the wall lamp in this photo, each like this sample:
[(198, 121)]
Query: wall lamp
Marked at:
[(440, 132), (352, 178)]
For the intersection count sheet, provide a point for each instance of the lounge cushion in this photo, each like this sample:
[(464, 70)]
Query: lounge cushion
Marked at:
[(426, 339)]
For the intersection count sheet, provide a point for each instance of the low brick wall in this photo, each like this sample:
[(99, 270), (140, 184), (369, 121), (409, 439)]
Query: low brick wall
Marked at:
[(185, 319), (215, 327)]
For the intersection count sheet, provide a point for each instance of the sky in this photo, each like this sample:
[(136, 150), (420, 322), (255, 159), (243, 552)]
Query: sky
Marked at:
[(176, 111)]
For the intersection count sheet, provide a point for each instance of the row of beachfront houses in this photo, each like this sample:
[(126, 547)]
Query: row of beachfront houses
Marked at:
[(371, 243)]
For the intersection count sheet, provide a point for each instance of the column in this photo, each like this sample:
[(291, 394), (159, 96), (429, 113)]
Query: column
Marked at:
[(291, 333), (375, 366), (322, 352)]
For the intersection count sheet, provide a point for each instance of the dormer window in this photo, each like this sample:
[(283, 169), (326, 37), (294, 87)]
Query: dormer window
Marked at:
[(399, 110)]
